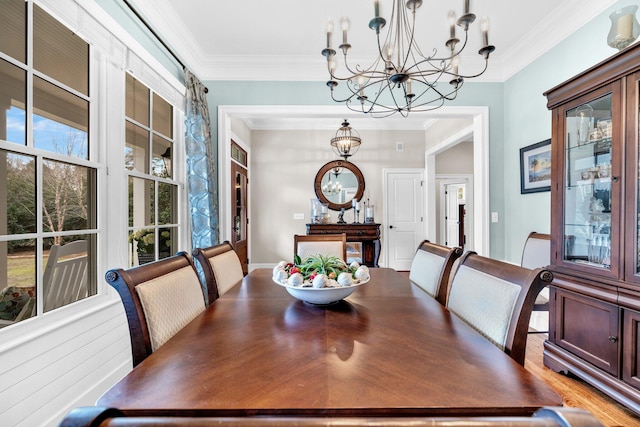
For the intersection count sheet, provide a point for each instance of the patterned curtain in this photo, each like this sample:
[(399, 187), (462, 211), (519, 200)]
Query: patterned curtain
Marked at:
[(201, 174)]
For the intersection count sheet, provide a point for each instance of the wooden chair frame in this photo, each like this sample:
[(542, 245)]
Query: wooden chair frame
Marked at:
[(96, 416), (531, 282), (450, 255), (125, 282), (298, 238), (202, 255)]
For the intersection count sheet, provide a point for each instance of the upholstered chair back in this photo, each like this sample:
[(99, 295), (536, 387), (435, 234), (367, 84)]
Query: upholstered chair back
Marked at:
[(170, 302), (431, 267), (159, 299), (537, 251), (221, 268), (496, 298), (323, 244)]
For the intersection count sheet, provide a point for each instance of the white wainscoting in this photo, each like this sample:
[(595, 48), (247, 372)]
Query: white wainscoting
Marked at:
[(71, 364)]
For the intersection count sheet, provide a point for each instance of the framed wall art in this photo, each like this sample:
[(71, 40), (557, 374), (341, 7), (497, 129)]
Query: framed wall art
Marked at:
[(535, 167)]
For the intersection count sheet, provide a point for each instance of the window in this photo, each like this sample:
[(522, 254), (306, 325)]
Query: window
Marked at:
[(48, 175), (153, 191)]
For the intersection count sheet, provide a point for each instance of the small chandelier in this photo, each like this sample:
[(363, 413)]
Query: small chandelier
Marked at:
[(333, 188), (402, 79), (346, 142)]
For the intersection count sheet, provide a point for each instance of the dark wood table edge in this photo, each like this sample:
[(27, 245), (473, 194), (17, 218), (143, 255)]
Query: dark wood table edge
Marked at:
[(350, 412)]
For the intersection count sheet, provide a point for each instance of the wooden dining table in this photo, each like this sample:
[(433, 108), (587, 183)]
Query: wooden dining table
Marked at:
[(389, 349)]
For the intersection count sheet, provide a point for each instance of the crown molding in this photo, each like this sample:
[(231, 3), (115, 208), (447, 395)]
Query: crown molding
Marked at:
[(164, 19), (565, 19)]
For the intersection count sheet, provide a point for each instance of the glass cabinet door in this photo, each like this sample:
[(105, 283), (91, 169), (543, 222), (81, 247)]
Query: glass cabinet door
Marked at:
[(633, 180), (588, 195)]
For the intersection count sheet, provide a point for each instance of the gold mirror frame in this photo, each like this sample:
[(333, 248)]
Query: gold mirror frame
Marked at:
[(328, 167)]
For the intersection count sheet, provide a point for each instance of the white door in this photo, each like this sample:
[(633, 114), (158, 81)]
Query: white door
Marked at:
[(404, 227), (455, 191), (452, 219)]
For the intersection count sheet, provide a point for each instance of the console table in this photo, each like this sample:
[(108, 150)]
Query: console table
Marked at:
[(366, 234)]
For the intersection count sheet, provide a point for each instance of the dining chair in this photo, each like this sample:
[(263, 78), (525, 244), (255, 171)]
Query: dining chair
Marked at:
[(431, 267), (537, 253), (159, 299), (65, 277), (221, 268), (496, 298), (306, 245)]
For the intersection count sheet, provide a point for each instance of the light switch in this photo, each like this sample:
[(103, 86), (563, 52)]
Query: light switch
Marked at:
[(298, 215), (494, 216)]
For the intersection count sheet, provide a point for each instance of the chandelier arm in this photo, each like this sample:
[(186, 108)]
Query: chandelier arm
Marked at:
[(374, 103), (358, 70), (380, 54), (411, 40), (472, 76), (393, 96), (429, 106), (462, 48), (434, 69), (430, 87), (453, 54), (346, 100)]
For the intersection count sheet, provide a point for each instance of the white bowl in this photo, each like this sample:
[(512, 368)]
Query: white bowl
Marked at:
[(321, 296)]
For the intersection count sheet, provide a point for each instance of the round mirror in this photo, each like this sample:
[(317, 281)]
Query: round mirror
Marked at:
[(337, 183)]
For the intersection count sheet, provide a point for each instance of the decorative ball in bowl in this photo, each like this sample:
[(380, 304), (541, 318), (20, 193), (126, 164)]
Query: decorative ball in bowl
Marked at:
[(320, 279)]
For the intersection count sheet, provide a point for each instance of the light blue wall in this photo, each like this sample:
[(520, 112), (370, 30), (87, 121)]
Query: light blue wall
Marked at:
[(316, 93), (527, 121)]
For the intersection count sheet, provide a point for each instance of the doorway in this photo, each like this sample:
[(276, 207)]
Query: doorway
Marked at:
[(456, 209), (239, 205)]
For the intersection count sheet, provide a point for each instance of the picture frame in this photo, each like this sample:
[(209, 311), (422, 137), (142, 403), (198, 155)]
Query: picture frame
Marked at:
[(535, 167)]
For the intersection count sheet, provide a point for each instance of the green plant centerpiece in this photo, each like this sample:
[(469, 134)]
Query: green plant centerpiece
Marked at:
[(319, 271)]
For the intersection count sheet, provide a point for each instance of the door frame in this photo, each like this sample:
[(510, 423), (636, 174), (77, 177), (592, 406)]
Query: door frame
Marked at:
[(224, 197), (467, 179), (479, 131), (237, 167), (385, 210)]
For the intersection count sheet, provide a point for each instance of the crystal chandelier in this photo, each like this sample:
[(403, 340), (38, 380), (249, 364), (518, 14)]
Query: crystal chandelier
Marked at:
[(346, 141), (403, 79)]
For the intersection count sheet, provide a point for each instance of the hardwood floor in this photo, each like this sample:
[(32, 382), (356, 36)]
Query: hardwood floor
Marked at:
[(575, 392)]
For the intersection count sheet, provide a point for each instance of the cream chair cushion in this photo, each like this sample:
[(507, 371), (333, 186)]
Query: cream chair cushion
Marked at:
[(536, 253), (333, 248), (485, 302), (169, 303), (227, 270), (425, 271)]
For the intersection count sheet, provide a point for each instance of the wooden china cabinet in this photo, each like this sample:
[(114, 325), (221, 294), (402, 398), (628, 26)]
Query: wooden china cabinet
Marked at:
[(595, 296)]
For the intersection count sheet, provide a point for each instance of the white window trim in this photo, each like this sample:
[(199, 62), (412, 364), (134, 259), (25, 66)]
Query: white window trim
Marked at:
[(108, 52)]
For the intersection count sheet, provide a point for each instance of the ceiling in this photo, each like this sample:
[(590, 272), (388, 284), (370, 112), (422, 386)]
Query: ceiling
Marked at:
[(282, 39)]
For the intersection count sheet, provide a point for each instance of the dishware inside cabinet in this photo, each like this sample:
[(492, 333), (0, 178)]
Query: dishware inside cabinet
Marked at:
[(587, 225)]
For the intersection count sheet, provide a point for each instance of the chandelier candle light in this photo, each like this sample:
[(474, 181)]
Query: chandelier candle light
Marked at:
[(402, 79)]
